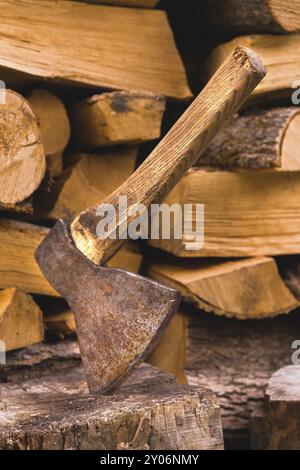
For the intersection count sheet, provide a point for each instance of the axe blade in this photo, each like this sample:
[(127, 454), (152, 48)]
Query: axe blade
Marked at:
[(119, 316)]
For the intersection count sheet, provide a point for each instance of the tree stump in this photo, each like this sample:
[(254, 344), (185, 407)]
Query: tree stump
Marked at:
[(150, 411)]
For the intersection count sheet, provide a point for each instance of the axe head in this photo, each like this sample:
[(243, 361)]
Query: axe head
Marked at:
[(119, 316)]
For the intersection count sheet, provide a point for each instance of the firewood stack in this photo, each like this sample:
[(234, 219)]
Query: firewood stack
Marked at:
[(248, 179), (90, 88)]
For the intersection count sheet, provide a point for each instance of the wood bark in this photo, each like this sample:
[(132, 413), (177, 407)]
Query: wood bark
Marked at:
[(247, 288), (279, 55), (22, 156), (57, 412), (18, 268), (117, 118), (237, 17), (90, 179), (138, 42), (21, 322), (276, 425), (236, 360), (258, 140), (247, 213), (55, 127)]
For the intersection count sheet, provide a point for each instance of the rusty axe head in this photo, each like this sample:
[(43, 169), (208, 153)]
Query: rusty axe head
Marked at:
[(119, 315)]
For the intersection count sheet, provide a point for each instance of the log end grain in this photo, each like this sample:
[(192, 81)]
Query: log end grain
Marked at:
[(22, 156)]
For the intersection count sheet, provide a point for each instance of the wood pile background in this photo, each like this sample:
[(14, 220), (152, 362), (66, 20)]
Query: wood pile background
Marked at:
[(91, 88)]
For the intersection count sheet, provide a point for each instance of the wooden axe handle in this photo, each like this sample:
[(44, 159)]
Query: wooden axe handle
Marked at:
[(177, 151)]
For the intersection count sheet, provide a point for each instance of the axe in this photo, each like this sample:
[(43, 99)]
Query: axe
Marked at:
[(120, 316)]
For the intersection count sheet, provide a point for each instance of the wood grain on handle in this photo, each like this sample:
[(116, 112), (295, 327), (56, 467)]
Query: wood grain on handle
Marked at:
[(178, 150)]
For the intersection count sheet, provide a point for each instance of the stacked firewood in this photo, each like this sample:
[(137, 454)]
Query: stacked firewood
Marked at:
[(66, 143), (248, 268), (88, 89), (83, 87)]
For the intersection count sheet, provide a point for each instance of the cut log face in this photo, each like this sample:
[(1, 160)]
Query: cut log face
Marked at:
[(125, 48), (277, 425), (246, 213), (93, 177), (21, 322), (280, 57), (18, 242), (247, 288), (55, 127), (117, 118), (250, 16), (170, 353), (22, 156), (57, 412), (258, 140), (286, 14)]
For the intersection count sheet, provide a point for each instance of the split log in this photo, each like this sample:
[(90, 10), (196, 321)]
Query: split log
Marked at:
[(21, 322), (143, 414), (117, 118), (93, 177), (55, 127), (170, 353), (22, 156), (236, 360), (279, 55), (125, 48), (247, 213), (250, 16), (18, 268), (276, 425), (246, 288), (258, 140)]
